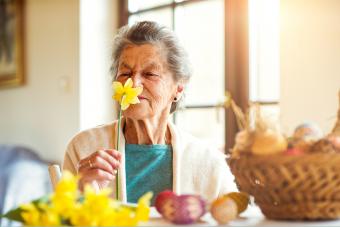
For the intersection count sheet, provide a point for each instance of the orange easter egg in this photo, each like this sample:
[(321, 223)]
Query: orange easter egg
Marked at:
[(224, 209), (241, 199)]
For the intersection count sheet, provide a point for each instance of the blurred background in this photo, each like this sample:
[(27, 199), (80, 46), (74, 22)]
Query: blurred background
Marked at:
[(283, 54)]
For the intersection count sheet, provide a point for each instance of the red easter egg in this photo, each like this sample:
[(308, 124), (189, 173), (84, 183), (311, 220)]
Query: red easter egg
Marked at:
[(293, 151), (161, 198)]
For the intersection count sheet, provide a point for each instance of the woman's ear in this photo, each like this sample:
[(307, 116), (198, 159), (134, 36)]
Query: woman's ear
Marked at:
[(179, 92), (180, 88)]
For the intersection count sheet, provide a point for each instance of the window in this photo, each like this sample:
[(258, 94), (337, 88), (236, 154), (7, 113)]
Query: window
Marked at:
[(200, 27), (264, 73), (233, 45)]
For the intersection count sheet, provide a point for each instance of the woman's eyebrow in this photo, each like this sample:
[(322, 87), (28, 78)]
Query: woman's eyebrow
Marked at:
[(123, 64), (152, 65)]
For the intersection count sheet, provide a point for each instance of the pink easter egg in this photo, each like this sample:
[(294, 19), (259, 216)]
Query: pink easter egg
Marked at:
[(183, 209)]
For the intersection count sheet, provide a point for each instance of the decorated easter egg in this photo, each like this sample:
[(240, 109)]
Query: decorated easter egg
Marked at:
[(182, 209), (224, 209), (307, 132)]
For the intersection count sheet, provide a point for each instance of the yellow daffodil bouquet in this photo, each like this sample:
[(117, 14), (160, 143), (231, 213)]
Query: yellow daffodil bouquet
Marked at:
[(125, 95), (67, 206)]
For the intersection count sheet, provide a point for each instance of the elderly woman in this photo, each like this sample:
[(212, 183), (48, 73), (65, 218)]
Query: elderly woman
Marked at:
[(154, 154)]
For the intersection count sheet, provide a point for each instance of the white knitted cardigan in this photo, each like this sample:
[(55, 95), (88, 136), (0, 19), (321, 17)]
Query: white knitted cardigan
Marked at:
[(197, 169)]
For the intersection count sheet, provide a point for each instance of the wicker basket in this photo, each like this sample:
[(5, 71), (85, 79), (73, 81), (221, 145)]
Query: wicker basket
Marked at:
[(291, 187)]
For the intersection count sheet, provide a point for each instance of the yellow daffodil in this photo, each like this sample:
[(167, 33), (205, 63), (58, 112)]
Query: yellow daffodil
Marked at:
[(66, 206), (80, 217), (67, 184), (48, 215), (143, 207), (97, 203), (30, 214), (125, 217), (94, 209), (126, 94), (65, 196)]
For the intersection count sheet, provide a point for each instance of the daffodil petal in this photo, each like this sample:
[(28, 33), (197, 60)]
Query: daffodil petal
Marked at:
[(117, 97), (135, 100), (145, 199), (124, 103), (129, 97), (138, 90), (124, 106), (118, 90), (117, 87), (132, 92), (128, 84)]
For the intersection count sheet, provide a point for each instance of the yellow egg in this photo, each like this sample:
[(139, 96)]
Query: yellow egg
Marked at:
[(241, 199), (224, 209), (269, 142)]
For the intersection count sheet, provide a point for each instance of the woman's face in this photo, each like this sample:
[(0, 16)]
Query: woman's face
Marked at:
[(146, 66)]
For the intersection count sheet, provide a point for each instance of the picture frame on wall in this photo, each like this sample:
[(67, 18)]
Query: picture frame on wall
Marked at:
[(11, 43)]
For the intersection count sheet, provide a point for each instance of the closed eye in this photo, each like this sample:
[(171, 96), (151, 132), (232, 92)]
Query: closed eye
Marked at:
[(124, 74), (151, 74)]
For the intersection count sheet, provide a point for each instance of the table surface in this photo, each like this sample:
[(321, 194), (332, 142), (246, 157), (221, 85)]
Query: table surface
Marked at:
[(251, 217)]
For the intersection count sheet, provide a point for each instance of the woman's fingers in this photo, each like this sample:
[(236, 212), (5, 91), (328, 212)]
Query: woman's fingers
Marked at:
[(116, 154), (102, 178), (100, 166), (97, 175), (98, 163), (100, 159), (111, 156)]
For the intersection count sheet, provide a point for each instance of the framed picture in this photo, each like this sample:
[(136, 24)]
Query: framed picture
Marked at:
[(11, 43)]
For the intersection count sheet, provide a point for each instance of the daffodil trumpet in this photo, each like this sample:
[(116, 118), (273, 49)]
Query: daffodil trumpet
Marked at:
[(125, 95)]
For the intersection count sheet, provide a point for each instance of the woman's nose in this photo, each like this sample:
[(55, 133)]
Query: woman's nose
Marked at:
[(137, 80)]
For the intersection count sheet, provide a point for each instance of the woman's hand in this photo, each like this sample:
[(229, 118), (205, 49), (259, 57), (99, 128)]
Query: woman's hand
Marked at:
[(101, 166)]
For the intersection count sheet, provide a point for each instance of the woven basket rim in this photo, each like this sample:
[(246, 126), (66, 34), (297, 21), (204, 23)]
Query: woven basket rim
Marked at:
[(282, 158)]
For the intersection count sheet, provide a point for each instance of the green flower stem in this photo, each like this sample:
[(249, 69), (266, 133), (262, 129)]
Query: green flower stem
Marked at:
[(117, 148)]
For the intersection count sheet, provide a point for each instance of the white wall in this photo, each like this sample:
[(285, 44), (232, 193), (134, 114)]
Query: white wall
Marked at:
[(310, 69), (68, 46), (42, 114), (98, 24)]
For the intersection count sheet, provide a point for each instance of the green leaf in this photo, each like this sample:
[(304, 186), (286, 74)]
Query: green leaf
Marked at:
[(15, 214), (44, 199)]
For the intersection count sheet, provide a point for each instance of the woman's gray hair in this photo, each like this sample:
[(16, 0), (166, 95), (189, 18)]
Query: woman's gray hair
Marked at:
[(147, 32)]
